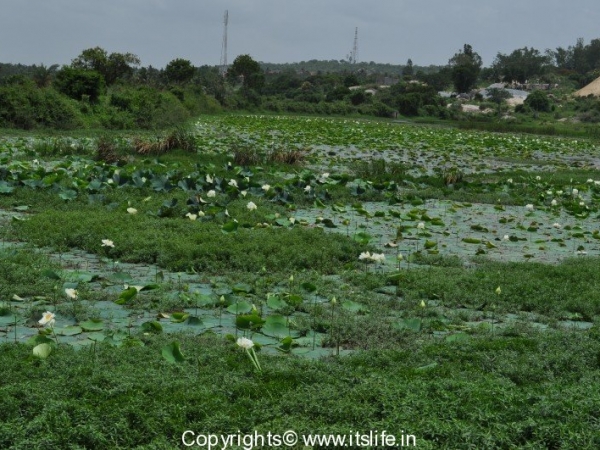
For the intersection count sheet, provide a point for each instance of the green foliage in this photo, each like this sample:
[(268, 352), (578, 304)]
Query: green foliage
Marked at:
[(184, 244), (145, 108), (410, 98), (112, 67), (521, 65), (538, 101), (25, 106), (80, 84), (465, 66), (249, 71), (179, 71)]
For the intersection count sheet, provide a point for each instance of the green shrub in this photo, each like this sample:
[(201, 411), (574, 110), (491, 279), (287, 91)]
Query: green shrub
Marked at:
[(26, 106), (80, 84)]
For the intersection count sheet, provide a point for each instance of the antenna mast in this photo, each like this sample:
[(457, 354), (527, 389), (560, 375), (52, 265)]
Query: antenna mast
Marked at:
[(354, 54), (223, 64)]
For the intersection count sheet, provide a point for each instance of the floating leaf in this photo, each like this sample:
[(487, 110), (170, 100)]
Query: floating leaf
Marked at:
[(178, 317), (71, 330), (152, 327), (230, 227), (413, 324), (172, 353), (92, 325), (126, 295), (42, 350), (241, 307)]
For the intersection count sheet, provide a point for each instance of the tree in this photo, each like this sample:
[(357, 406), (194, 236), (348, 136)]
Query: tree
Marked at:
[(249, 71), (179, 71), (538, 101), (520, 65), (112, 67), (498, 96), (408, 70), (43, 76), (79, 83), (465, 66)]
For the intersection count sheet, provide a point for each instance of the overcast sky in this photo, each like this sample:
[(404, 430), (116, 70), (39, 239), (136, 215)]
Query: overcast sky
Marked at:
[(278, 31)]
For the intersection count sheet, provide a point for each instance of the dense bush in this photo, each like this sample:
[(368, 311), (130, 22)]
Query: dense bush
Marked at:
[(144, 108), (79, 84), (25, 106), (538, 101)]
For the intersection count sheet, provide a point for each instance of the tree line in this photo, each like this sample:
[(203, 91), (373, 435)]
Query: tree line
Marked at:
[(113, 90)]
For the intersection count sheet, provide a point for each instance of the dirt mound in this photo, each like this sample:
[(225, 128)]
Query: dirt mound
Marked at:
[(591, 89)]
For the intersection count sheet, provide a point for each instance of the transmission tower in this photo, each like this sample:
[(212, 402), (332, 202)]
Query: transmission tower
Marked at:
[(354, 54), (223, 64)]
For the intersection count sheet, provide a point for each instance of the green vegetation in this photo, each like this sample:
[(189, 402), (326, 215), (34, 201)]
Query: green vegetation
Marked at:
[(246, 272)]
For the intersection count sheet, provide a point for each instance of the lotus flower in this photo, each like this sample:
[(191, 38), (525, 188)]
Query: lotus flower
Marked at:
[(192, 216), (251, 206), (108, 243), (48, 318), (265, 187), (529, 207), (233, 183), (72, 293), (211, 193), (364, 255), (245, 343)]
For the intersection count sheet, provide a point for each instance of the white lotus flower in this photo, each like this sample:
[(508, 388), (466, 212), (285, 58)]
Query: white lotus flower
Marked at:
[(538, 178), (201, 214), (191, 216), (581, 203), (244, 193), (233, 183), (559, 192), (589, 180), (132, 210), (506, 237), (498, 290), (575, 192), (597, 182), (364, 255), (245, 343), (72, 293), (108, 243), (554, 202), (529, 207), (209, 179), (307, 188), (211, 193), (251, 206), (557, 225), (421, 226), (510, 180), (265, 187), (48, 318), (378, 257)]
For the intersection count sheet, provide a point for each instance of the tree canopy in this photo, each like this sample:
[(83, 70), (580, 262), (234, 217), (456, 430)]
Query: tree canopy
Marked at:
[(521, 65), (465, 66)]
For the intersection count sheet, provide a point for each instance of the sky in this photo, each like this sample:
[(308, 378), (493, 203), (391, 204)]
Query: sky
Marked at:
[(429, 32)]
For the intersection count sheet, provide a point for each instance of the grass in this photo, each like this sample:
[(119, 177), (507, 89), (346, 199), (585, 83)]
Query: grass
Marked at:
[(510, 392)]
